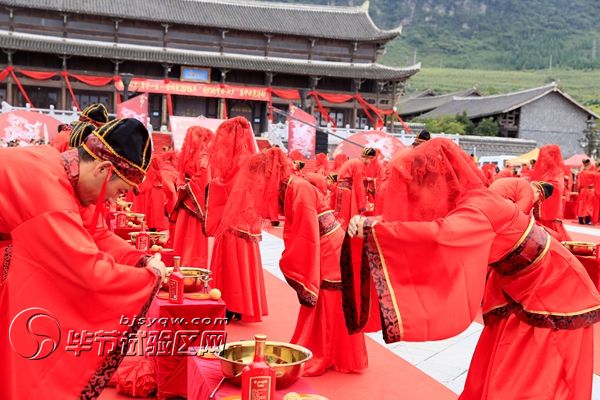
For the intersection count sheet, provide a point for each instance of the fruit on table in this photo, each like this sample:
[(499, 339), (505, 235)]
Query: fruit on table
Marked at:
[(156, 247), (215, 294), (292, 396)]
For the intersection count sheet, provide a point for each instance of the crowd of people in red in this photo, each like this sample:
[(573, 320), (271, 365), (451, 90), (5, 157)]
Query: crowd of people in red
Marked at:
[(414, 246)]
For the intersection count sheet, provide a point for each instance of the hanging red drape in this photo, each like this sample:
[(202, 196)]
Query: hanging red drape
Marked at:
[(369, 109), (94, 80), (324, 112), (21, 88), (332, 98), (4, 74), (286, 94), (37, 75), (395, 114), (65, 75)]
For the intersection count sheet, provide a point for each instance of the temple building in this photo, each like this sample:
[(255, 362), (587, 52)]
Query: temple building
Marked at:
[(201, 57)]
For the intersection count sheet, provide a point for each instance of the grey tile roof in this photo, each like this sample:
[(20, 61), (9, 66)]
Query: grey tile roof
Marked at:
[(485, 106), (120, 51), (423, 101), (348, 23)]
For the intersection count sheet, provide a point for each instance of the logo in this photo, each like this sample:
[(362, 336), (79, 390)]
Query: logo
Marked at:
[(34, 333)]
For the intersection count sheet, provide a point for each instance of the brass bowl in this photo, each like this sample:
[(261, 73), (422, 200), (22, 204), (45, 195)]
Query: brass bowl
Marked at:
[(136, 218), (581, 248), (193, 278), (287, 360), (156, 238)]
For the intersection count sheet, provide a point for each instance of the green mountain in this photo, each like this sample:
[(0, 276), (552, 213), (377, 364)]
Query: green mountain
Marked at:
[(489, 34)]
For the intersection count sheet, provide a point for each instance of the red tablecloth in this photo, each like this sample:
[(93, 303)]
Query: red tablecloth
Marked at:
[(204, 375), (592, 266), (186, 322)]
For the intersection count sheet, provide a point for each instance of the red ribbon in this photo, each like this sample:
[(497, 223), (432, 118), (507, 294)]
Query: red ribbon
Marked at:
[(65, 75)]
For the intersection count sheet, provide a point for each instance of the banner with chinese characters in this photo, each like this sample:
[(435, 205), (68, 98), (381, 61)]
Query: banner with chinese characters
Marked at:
[(197, 89), (135, 108), (302, 137)]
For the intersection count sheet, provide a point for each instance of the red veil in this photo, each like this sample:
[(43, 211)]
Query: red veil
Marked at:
[(322, 164), (338, 161), (429, 180), (233, 141), (194, 152), (550, 167), (254, 198)]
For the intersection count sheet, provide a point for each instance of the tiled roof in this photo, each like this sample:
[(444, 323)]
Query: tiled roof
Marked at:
[(120, 51), (476, 107), (346, 23), (411, 105)]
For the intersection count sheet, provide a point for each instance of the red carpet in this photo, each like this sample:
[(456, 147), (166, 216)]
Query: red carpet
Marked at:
[(374, 383)]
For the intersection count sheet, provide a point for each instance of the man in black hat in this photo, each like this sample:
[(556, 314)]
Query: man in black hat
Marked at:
[(526, 195), (53, 265), (421, 137), (90, 119)]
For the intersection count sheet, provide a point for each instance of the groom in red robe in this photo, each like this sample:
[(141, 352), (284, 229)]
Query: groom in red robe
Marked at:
[(60, 295)]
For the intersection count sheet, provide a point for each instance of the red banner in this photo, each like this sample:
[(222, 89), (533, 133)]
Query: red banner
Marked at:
[(134, 108), (197, 89), (302, 137)]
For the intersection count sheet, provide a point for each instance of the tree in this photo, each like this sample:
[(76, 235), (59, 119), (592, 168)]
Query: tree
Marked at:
[(487, 127), (469, 125), (445, 124)]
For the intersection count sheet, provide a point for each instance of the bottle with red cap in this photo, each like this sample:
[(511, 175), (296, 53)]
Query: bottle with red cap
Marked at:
[(142, 240), (258, 378), (176, 282)]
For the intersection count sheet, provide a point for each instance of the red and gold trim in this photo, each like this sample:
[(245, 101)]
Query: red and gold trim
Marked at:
[(542, 319), (529, 250), (328, 224), (101, 377), (97, 147), (306, 297), (331, 285), (252, 237), (390, 312), (5, 263)]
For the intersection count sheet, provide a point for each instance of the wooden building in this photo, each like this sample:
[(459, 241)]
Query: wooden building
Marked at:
[(545, 114), (198, 57)]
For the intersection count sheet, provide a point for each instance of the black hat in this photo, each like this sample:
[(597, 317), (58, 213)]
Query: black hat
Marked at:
[(546, 188), (127, 144), (369, 152), (80, 131), (586, 161), (95, 114), (92, 117), (422, 136)]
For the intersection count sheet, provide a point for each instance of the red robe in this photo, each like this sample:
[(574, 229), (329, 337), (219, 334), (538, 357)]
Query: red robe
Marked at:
[(317, 180), (507, 172), (351, 197), (310, 263), (236, 264), (157, 194), (61, 141), (517, 190), (189, 240), (538, 315), (54, 264), (587, 197)]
